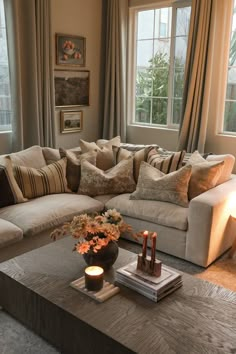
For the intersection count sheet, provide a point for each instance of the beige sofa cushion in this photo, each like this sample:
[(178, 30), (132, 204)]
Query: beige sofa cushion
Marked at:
[(157, 212), (49, 211), (51, 155), (155, 185), (118, 179), (229, 161), (104, 152), (31, 157), (9, 233), (35, 182), (165, 162), (10, 192)]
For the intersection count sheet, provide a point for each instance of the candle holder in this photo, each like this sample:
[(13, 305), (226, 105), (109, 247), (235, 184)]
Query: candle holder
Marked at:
[(147, 264), (93, 278)]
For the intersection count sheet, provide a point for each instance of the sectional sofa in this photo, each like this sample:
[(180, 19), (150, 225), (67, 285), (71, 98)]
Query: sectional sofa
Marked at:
[(198, 232)]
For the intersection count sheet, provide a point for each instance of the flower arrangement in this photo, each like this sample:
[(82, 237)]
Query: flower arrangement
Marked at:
[(70, 50), (94, 232)]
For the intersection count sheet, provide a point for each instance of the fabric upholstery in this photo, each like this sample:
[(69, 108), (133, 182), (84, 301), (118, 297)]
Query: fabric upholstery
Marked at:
[(46, 180), (51, 155), (118, 179), (31, 157), (229, 161), (155, 185), (165, 162), (73, 167), (161, 213), (49, 211), (9, 233), (10, 192)]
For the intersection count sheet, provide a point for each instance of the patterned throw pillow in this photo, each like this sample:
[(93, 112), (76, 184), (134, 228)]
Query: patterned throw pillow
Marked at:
[(73, 167), (46, 180), (104, 152), (118, 179), (155, 185), (10, 192), (165, 161), (205, 175)]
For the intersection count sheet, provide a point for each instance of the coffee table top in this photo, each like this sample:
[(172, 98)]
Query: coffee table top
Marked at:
[(198, 317)]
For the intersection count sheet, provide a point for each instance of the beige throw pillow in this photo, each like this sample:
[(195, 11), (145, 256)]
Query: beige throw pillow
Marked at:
[(104, 152), (46, 180), (73, 167), (165, 161), (229, 161), (118, 179), (155, 185)]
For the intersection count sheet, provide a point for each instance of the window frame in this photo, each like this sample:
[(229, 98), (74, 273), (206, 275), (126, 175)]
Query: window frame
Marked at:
[(131, 62)]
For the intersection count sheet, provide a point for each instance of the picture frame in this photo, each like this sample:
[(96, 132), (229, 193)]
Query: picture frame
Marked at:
[(70, 50), (71, 121), (71, 88)]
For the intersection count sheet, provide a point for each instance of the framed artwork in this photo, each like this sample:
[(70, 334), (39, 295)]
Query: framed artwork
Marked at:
[(71, 88), (70, 50), (71, 121)]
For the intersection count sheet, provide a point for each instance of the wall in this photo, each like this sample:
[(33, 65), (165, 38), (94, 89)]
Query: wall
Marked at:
[(82, 18)]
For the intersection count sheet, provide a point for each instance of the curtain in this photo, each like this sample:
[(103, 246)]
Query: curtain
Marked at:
[(31, 72), (114, 119), (198, 73)]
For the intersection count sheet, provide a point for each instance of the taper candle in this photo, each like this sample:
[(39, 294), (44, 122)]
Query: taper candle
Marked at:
[(153, 250), (145, 238)]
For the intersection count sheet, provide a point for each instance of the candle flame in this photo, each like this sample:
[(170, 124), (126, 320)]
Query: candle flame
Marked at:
[(94, 270), (145, 233)]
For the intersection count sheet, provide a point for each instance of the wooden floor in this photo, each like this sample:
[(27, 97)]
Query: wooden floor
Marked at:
[(197, 318)]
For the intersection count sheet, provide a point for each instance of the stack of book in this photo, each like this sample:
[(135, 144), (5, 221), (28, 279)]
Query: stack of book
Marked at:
[(154, 288)]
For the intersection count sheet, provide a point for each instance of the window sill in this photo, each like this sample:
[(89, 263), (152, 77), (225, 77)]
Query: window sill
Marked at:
[(152, 127)]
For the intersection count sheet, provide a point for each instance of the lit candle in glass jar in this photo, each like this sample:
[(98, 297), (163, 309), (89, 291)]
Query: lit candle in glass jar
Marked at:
[(93, 278)]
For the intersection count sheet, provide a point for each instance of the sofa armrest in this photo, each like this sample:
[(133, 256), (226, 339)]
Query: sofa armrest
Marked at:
[(211, 230)]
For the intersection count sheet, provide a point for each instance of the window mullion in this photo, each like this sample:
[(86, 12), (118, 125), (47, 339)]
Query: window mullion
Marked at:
[(171, 68)]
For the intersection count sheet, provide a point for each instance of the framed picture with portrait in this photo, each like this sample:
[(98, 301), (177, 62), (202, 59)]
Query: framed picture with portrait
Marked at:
[(70, 50)]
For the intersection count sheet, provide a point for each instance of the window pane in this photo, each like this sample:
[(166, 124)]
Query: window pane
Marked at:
[(5, 97), (160, 82), (159, 110), (142, 111), (144, 52), (182, 21), (144, 82), (162, 47), (178, 83), (176, 109), (180, 50), (145, 24), (162, 21), (230, 114)]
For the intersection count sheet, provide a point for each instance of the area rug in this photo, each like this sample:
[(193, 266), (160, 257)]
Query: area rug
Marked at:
[(15, 338)]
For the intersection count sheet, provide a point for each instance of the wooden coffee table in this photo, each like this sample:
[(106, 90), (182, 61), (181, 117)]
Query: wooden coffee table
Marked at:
[(197, 318)]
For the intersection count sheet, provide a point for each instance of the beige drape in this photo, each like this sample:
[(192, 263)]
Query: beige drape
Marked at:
[(114, 119), (31, 72)]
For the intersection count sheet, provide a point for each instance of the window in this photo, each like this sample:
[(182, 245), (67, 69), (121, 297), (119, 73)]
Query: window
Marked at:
[(230, 101), (5, 96), (158, 46)]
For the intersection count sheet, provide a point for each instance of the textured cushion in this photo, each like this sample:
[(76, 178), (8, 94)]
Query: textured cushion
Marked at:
[(51, 155), (31, 157), (137, 147), (49, 211), (104, 152), (9, 233), (162, 213), (10, 192), (73, 168), (46, 180), (229, 161), (118, 179), (155, 185), (165, 162), (205, 175), (139, 156)]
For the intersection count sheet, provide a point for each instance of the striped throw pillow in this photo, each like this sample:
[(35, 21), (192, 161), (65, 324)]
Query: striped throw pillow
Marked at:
[(165, 161), (49, 179)]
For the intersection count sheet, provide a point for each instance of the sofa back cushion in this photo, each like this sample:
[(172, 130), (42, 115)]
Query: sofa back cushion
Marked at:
[(31, 157), (46, 180), (156, 185), (10, 192), (119, 179)]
